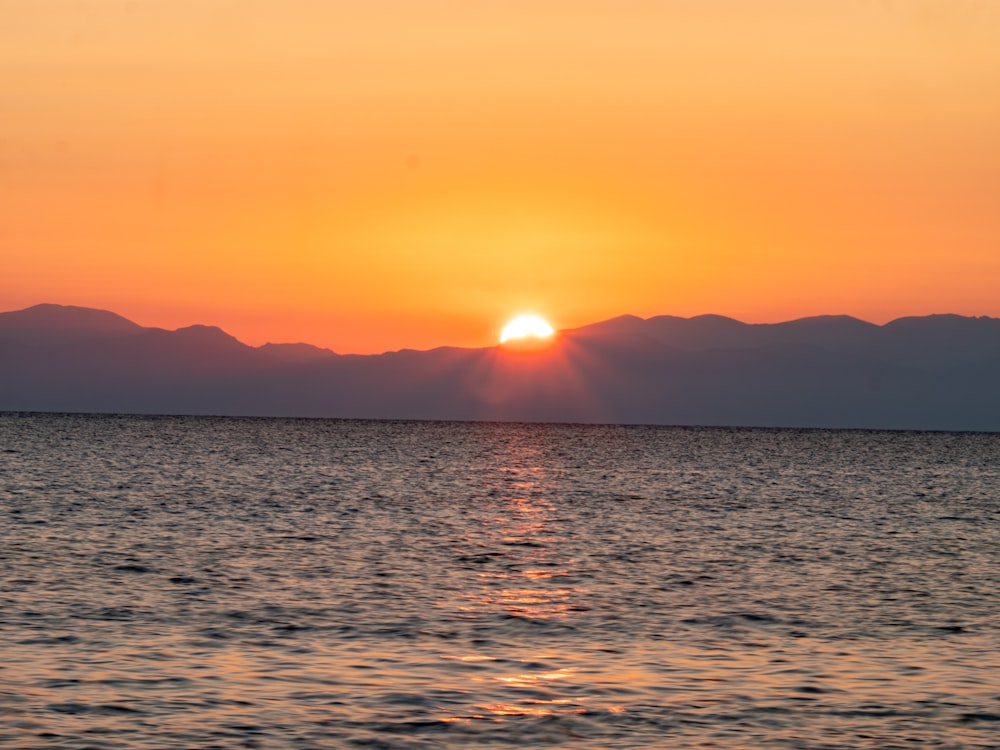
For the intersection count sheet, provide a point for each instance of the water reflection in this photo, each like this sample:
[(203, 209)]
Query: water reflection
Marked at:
[(533, 680), (539, 709), (531, 693), (525, 576), (528, 568)]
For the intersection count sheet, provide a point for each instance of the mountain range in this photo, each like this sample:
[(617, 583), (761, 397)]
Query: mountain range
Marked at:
[(938, 372)]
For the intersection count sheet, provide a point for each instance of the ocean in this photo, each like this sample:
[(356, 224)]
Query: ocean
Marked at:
[(172, 582)]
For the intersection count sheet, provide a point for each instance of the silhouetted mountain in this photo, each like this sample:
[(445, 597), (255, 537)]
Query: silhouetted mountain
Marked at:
[(934, 372), (55, 324)]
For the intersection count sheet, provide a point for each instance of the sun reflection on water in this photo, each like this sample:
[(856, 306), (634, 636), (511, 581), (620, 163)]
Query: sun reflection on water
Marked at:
[(529, 578), (508, 709), (521, 570)]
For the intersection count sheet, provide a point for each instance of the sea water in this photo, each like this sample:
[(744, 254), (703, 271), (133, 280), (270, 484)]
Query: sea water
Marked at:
[(214, 583)]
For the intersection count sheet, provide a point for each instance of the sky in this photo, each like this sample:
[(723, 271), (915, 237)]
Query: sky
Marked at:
[(370, 176)]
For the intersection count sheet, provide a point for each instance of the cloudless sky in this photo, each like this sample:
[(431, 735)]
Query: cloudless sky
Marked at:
[(411, 173)]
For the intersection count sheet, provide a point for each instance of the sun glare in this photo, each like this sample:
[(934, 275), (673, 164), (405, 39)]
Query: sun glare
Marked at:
[(526, 326)]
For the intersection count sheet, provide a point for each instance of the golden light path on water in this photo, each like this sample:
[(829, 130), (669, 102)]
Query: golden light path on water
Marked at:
[(525, 526)]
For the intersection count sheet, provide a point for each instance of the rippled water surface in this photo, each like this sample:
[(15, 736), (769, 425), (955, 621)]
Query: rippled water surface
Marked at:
[(176, 582)]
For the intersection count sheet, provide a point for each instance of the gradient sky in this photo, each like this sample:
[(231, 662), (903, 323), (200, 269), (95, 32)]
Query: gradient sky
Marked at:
[(384, 174)]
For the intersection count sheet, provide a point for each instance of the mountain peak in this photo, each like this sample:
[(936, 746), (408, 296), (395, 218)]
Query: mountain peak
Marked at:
[(205, 335), (49, 323)]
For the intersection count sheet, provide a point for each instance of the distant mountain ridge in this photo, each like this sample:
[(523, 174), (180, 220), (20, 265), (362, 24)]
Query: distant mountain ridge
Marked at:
[(932, 372), (49, 324)]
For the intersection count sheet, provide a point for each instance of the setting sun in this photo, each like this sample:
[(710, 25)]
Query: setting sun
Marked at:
[(526, 326)]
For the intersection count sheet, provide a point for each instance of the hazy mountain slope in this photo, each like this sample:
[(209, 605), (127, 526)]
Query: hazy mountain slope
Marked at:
[(296, 352)]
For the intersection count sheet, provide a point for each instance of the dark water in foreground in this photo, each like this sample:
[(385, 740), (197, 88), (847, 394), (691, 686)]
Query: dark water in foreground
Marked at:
[(201, 583)]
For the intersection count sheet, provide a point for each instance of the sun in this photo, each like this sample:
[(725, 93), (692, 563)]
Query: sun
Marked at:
[(526, 327)]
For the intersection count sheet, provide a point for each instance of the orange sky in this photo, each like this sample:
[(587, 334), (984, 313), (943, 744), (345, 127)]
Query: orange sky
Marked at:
[(384, 174)]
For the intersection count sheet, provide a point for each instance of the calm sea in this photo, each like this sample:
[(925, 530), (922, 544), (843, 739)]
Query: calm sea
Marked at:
[(216, 583)]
